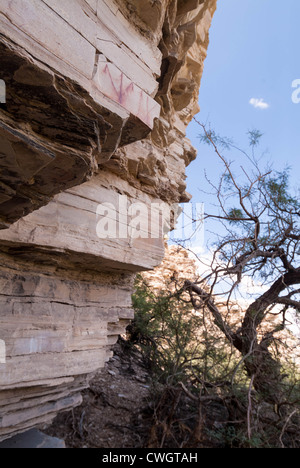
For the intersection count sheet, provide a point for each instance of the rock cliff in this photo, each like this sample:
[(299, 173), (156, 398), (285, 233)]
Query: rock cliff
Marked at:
[(98, 97)]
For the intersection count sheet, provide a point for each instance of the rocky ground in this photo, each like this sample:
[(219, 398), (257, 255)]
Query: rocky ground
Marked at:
[(117, 412), (112, 413)]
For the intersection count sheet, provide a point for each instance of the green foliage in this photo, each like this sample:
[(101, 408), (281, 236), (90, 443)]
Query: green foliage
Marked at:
[(235, 215), (164, 327), (254, 137), (277, 186), (177, 343), (181, 347), (235, 437), (211, 135)]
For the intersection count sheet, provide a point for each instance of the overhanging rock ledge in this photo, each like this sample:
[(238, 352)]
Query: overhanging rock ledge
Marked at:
[(98, 97)]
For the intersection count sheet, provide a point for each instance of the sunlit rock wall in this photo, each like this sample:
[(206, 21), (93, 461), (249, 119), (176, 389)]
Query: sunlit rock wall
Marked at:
[(98, 97)]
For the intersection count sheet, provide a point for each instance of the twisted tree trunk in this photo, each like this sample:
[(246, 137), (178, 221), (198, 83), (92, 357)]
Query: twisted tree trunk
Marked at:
[(257, 358)]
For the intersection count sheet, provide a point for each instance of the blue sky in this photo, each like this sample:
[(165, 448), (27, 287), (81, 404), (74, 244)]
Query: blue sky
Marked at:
[(253, 54)]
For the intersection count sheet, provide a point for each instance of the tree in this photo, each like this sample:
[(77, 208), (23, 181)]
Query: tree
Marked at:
[(259, 239), (164, 327)]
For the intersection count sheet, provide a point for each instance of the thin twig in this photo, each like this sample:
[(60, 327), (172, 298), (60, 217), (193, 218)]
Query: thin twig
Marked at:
[(249, 410), (285, 426)]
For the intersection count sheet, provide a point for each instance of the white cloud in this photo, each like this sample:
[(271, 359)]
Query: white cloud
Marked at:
[(259, 103)]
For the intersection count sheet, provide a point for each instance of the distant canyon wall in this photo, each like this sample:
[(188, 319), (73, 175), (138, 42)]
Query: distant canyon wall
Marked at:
[(98, 97)]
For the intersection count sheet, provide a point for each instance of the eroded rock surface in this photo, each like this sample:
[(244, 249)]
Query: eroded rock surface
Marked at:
[(98, 97)]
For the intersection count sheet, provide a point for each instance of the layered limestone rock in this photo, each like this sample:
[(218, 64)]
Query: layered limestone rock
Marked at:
[(98, 97)]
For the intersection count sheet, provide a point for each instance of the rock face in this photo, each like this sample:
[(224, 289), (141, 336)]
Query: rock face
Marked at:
[(98, 97), (177, 266)]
